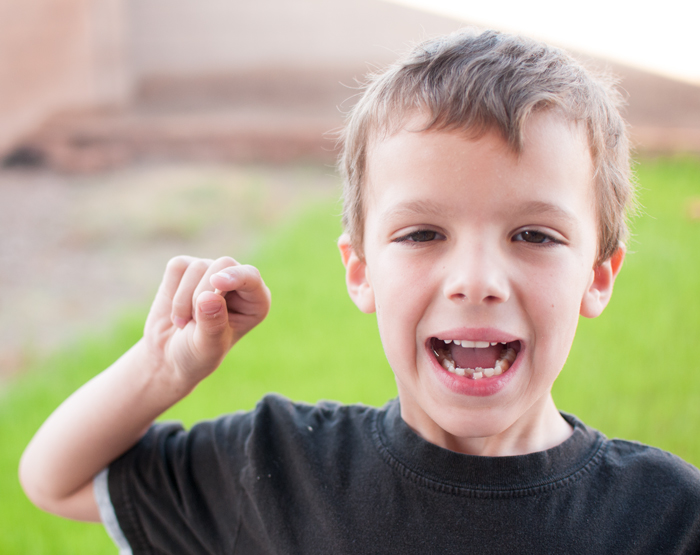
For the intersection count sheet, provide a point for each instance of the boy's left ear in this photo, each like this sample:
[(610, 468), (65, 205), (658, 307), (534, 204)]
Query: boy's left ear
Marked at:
[(599, 291), (356, 277)]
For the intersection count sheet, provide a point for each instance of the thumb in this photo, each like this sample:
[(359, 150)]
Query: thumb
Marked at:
[(212, 321)]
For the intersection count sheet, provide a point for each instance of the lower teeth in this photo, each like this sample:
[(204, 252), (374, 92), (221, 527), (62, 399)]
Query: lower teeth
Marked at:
[(502, 364)]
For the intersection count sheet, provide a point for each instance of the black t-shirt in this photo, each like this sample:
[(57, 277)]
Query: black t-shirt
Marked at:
[(329, 478)]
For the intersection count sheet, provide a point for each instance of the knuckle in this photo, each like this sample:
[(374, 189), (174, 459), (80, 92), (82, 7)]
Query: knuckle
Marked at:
[(181, 307), (226, 261), (178, 262), (216, 328), (200, 265), (252, 271)]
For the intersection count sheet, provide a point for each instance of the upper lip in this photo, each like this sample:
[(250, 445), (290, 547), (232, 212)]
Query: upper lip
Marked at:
[(492, 335)]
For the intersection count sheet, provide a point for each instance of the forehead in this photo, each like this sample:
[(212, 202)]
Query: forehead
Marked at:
[(553, 164)]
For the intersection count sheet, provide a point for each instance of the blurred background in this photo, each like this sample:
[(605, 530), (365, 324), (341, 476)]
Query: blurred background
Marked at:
[(133, 131)]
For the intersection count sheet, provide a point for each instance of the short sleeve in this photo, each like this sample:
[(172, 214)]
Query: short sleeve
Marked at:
[(274, 480), (107, 515), (178, 491)]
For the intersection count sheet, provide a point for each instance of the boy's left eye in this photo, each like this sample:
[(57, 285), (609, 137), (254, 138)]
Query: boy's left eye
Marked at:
[(532, 236)]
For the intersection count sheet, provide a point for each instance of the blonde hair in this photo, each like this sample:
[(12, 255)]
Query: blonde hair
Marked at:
[(491, 81)]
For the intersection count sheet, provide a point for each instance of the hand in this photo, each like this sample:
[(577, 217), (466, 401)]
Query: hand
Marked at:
[(201, 310)]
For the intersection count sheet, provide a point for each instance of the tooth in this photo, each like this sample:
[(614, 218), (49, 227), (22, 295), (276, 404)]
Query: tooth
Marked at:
[(494, 343), (445, 363), (478, 375), (481, 344), (488, 372), (509, 355), (469, 371), (448, 341), (497, 370), (470, 344), (459, 371), (503, 364)]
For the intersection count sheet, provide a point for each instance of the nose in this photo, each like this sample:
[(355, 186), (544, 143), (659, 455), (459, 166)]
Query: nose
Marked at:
[(477, 274)]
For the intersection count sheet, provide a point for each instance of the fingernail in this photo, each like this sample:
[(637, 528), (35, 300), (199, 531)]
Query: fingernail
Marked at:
[(224, 275), (211, 307), (179, 322)]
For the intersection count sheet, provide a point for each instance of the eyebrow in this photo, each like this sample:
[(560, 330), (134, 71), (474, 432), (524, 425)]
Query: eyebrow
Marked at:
[(431, 208), (538, 207), (413, 207)]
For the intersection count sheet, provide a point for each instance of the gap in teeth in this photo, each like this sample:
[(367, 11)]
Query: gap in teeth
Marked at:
[(503, 363)]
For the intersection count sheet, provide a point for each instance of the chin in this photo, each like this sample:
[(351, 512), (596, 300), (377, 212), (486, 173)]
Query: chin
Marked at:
[(470, 424)]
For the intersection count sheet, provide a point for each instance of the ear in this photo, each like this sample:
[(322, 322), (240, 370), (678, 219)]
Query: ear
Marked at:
[(356, 276), (599, 290)]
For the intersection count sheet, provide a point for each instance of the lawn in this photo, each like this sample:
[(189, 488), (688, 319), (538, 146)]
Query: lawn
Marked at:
[(630, 372)]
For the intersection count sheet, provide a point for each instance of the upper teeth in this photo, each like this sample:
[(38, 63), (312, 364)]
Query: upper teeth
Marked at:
[(471, 344)]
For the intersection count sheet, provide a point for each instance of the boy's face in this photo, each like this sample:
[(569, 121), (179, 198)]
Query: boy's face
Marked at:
[(465, 240)]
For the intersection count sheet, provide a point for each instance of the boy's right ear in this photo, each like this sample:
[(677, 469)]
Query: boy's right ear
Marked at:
[(356, 276)]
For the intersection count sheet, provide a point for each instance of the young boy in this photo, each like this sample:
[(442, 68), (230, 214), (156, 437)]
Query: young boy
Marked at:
[(486, 183)]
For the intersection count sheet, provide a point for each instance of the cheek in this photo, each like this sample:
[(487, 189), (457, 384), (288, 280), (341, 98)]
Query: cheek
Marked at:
[(555, 306), (401, 298)]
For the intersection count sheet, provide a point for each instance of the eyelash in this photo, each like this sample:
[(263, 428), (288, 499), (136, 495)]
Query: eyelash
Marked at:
[(411, 237), (548, 239)]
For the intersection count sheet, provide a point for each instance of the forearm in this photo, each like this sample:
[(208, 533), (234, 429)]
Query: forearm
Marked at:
[(94, 426)]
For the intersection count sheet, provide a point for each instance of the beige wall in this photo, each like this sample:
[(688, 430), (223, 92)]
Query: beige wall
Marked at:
[(214, 36), (56, 55)]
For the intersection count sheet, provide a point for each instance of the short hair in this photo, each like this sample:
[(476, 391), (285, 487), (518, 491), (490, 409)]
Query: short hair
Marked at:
[(492, 81)]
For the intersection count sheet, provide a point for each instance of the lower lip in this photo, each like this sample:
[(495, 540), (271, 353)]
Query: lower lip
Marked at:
[(482, 387)]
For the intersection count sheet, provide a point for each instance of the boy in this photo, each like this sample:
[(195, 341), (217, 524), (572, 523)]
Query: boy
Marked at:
[(486, 181)]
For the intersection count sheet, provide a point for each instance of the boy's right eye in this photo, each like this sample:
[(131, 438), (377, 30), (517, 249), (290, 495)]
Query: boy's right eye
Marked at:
[(419, 236)]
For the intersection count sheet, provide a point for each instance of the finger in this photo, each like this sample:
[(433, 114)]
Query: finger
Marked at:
[(216, 266), (245, 280), (182, 310), (212, 332), (174, 271)]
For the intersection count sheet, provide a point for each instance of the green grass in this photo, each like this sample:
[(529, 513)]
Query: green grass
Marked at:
[(630, 372), (314, 344)]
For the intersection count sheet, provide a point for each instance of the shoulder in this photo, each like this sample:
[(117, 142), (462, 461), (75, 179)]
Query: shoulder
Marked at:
[(280, 424), (276, 426), (280, 410), (659, 488), (635, 456), (636, 462), (651, 464), (273, 416)]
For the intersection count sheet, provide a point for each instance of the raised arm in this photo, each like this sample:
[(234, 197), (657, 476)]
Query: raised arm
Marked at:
[(189, 330)]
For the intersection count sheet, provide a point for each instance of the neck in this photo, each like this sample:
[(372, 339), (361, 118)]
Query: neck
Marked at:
[(540, 428)]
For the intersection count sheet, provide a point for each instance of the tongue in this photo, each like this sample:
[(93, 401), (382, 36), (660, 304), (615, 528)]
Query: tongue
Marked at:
[(466, 357)]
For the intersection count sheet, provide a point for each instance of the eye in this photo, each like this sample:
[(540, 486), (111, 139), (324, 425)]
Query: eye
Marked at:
[(536, 237), (420, 236)]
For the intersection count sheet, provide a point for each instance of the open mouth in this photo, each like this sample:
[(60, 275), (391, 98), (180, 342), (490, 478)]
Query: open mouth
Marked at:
[(475, 359)]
